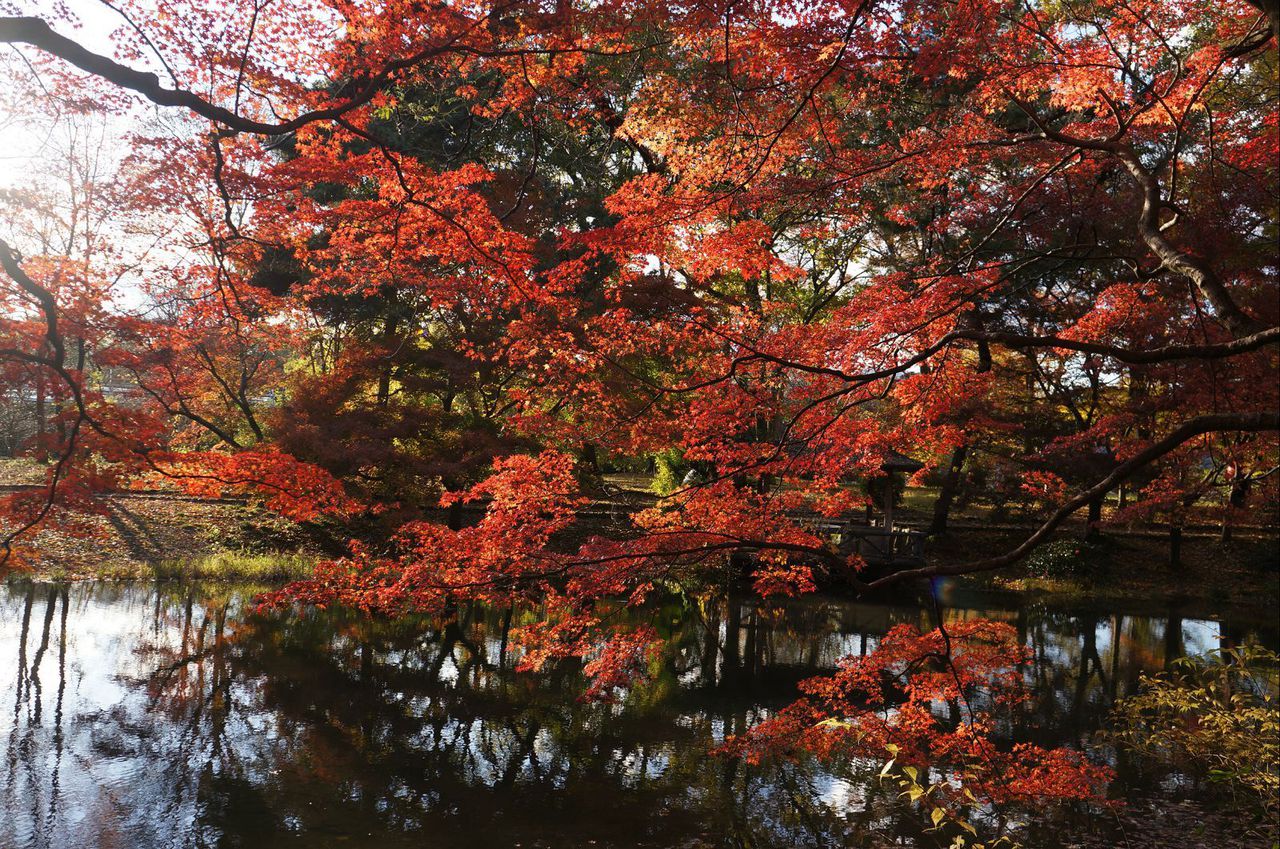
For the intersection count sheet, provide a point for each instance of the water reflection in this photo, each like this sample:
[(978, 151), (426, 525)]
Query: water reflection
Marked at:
[(144, 716)]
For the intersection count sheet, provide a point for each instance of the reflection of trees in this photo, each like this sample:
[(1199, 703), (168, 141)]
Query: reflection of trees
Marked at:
[(25, 787), (243, 730)]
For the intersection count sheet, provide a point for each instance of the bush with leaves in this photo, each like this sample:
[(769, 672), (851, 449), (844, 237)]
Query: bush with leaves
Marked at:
[(670, 471), (1216, 717), (1068, 558)]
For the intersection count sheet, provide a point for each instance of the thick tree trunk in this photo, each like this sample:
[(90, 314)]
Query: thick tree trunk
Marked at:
[(1272, 10), (1193, 267), (1092, 527), (946, 496)]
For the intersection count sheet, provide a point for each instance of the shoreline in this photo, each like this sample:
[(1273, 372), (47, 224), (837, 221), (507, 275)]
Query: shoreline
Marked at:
[(153, 538)]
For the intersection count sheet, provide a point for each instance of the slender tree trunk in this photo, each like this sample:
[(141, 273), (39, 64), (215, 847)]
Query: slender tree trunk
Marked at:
[(506, 634), (29, 602), (711, 643), (366, 661), (751, 648), (732, 630), (384, 376), (41, 414), (1172, 639)]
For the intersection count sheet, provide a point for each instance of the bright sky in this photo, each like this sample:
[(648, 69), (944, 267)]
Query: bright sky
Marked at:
[(28, 137), (39, 143)]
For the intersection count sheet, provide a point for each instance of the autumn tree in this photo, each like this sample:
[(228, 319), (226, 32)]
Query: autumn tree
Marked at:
[(782, 239)]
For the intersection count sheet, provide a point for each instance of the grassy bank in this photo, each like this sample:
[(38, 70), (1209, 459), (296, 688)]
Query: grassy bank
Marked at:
[(217, 566), (151, 536), (238, 566)]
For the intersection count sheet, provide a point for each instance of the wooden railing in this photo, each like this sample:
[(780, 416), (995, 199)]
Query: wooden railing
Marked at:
[(875, 543), (882, 545)]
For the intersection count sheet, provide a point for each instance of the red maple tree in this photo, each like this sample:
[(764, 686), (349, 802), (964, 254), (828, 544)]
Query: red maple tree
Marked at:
[(778, 239)]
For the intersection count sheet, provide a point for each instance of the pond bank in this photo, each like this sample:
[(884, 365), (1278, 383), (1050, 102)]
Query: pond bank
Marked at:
[(1135, 571), (150, 536), (146, 536)]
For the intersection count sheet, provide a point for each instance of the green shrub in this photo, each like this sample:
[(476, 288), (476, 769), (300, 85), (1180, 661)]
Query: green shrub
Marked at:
[(1215, 716), (671, 471), (1068, 558)]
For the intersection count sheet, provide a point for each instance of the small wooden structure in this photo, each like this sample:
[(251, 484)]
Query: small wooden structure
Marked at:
[(881, 542), (892, 465)]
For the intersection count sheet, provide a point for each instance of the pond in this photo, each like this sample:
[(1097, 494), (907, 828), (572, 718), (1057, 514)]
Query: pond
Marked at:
[(164, 715)]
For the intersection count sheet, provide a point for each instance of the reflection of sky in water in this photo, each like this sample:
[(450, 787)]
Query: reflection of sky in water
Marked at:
[(153, 730), (838, 794), (1200, 636), (449, 671)]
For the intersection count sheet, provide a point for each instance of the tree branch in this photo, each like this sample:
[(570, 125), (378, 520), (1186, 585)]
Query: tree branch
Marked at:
[(1210, 423)]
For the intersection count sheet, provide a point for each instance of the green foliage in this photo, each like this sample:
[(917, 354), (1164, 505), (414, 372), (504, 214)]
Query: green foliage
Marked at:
[(945, 821), (1068, 558), (670, 472), (1215, 716)]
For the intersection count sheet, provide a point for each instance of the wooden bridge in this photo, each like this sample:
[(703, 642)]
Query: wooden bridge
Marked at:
[(897, 547)]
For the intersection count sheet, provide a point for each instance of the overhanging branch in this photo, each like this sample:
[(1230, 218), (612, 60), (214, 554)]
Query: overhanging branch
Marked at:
[(1211, 423)]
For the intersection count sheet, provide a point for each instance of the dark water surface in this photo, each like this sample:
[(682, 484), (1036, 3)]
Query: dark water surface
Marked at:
[(138, 715)]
